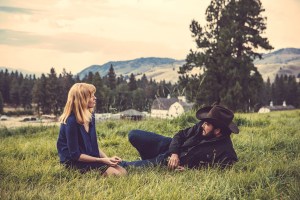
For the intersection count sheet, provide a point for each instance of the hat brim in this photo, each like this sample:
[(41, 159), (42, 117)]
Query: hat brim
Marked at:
[(202, 114)]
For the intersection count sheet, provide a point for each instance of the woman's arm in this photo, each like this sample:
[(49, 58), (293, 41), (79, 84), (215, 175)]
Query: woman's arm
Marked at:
[(102, 154), (72, 133), (113, 161)]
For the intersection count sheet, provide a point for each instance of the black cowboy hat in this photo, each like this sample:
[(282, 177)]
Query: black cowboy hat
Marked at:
[(218, 116)]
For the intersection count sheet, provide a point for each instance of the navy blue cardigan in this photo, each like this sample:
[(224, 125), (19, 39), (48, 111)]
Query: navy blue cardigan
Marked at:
[(73, 140)]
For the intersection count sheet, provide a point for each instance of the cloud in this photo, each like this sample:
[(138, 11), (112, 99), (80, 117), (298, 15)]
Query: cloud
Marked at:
[(77, 43), (8, 9), (67, 42), (18, 38)]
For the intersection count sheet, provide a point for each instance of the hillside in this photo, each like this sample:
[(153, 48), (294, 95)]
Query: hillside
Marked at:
[(282, 61), (155, 68)]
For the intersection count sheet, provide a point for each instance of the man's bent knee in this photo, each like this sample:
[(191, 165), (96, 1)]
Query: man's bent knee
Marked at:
[(132, 135)]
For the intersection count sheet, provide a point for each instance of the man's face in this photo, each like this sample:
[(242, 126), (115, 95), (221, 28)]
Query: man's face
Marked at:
[(208, 130)]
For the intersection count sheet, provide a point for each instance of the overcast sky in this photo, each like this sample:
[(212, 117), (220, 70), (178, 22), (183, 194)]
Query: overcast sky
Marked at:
[(39, 34)]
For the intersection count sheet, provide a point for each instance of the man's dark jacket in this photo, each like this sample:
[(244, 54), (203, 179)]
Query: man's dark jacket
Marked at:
[(195, 151)]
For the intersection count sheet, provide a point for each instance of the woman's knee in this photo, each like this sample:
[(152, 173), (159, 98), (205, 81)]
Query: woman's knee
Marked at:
[(115, 171), (121, 170)]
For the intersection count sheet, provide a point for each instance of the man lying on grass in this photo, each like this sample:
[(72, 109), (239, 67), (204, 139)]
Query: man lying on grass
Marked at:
[(207, 143)]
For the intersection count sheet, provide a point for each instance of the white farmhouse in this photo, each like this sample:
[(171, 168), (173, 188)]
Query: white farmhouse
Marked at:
[(169, 107)]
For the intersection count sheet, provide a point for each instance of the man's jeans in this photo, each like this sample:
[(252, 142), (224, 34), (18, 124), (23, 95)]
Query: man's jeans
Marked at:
[(153, 148)]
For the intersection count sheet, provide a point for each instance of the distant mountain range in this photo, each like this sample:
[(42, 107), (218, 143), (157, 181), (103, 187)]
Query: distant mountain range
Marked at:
[(23, 71), (155, 68), (152, 67), (281, 62)]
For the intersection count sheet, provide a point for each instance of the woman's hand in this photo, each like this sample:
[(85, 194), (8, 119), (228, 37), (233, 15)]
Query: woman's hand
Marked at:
[(111, 161), (116, 158), (173, 161)]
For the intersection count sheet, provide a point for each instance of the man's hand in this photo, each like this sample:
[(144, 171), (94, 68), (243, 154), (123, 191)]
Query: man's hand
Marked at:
[(180, 168), (173, 161)]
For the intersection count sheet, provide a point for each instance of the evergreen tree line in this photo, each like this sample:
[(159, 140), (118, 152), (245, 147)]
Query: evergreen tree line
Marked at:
[(48, 93), (284, 88)]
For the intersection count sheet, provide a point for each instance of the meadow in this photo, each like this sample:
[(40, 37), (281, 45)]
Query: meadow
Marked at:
[(268, 148)]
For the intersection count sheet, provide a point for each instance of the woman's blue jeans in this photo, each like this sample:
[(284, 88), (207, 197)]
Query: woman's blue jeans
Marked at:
[(153, 148)]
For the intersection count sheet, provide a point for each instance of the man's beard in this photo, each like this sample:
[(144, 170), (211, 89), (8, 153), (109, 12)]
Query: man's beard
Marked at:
[(209, 135)]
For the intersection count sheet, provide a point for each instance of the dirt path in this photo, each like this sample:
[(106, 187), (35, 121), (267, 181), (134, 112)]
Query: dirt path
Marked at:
[(13, 122)]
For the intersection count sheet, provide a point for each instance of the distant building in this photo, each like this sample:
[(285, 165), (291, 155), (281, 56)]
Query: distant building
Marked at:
[(49, 118), (132, 114), (102, 116), (267, 109), (3, 118), (126, 114), (170, 107)]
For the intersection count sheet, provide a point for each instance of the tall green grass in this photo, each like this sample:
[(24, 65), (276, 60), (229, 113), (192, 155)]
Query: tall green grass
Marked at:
[(268, 148)]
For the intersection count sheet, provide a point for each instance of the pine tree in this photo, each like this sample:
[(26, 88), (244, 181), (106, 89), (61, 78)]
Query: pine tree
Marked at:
[(143, 82), (65, 83), (278, 90), (77, 79), (25, 93), (298, 96), (106, 101), (1, 103), (112, 78), (121, 80), (291, 91), (39, 95), (267, 93), (132, 84), (227, 47), (1, 81), (150, 92), (6, 87), (123, 97), (139, 99), (52, 87), (89, 78), (100, 101), (14, 93), (256, 89)]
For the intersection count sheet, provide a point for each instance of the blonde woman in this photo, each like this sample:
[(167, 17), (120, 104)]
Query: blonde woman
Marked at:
[(77, 142)]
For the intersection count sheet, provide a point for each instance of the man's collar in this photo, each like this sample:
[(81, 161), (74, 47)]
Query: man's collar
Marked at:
[(214, 139)]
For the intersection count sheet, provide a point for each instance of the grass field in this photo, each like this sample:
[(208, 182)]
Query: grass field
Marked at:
[(268, 148)]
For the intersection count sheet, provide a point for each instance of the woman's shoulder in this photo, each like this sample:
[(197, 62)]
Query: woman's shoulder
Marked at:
[(71, 119)]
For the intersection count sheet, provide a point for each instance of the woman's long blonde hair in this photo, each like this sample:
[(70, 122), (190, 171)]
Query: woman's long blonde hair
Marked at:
[(78, 98)]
